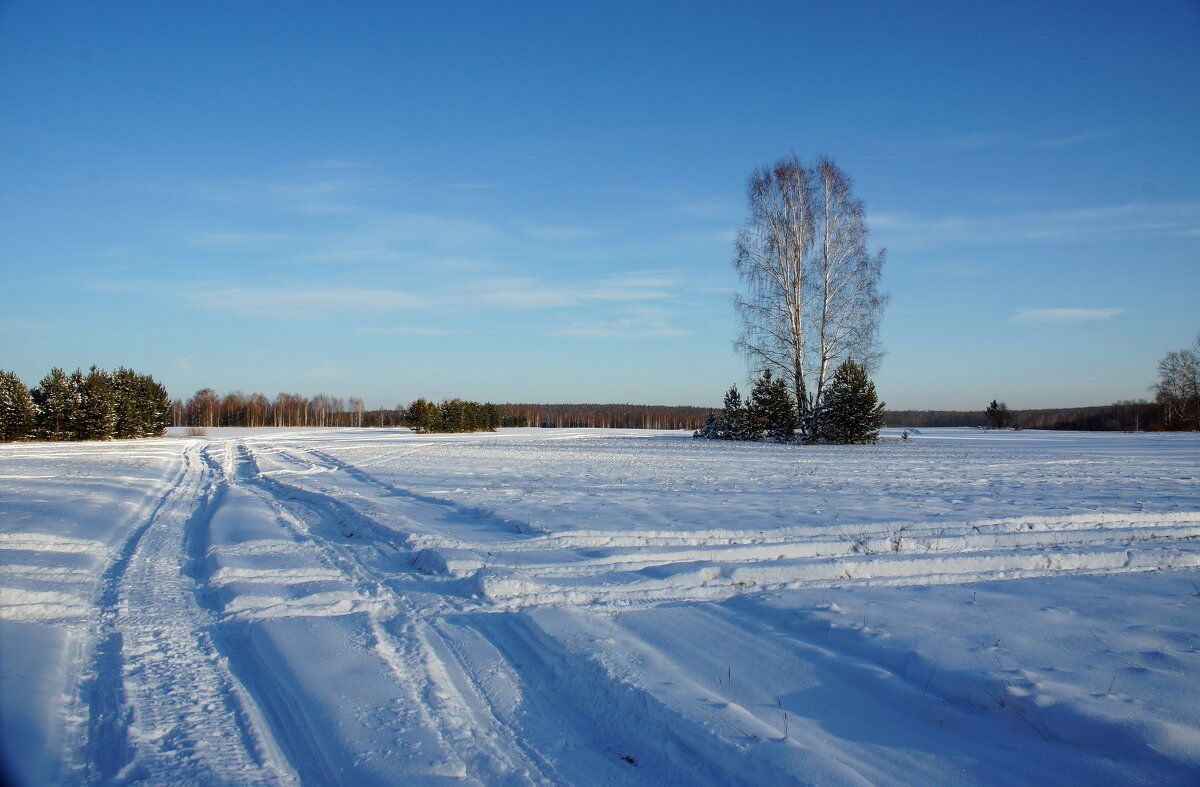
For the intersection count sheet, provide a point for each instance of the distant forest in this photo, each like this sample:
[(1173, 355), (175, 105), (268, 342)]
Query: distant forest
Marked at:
[(207, 409), (1129, 416)]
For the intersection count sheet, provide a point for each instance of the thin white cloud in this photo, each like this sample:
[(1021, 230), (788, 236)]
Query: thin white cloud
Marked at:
[(471, 186), (1059, 315), (1073, 139), (561, 233), (982, 140), (637, 322), (237, 239), (530, 293), (412, 331), (303, 304), (973, 141), (1072, 224), (327, 372)]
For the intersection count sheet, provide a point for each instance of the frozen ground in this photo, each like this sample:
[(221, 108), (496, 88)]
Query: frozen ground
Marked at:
[(586, 606)]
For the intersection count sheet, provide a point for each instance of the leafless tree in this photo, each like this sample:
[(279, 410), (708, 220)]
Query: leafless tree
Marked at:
[(813, 287), (1178, 387), (356, 410), (773, 257), (848, 297)]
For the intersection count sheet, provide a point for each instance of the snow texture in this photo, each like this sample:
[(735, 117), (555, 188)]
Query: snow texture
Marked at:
[(600, 606)]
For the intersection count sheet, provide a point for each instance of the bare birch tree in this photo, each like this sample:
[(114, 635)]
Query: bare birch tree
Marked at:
[(772, 256), (1178, 387), (813, 287), (848, 301)]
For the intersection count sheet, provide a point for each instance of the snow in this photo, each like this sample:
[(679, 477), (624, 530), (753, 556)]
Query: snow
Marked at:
[(600, 606)]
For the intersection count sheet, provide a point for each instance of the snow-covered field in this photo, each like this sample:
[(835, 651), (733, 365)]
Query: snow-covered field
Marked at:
[(589, 606)]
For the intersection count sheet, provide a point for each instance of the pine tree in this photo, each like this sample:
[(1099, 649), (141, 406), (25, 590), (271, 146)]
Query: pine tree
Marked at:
[(17, 411), (771, 409), (735, 424), (124, 385), (57, 399), (996, 414), (711, 429), (97, 412), (154, 407), (852, 412), (422, 416)]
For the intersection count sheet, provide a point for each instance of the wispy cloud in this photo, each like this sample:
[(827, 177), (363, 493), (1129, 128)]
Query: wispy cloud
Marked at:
[(326, 372), (973, 141), (1073, 224), (635, 323), (1073, 139), (561, 233), (471, 186), (531, 293), (1059, 315), (302, 304), (986, 140), (412, 331), (238, 239)]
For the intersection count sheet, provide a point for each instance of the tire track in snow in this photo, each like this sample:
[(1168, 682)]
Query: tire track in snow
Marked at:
[(513, 569), (162, 703), (443, 698), (719, 566)]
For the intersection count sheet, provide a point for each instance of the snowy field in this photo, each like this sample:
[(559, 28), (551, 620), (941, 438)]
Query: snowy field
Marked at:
[(601, 607)]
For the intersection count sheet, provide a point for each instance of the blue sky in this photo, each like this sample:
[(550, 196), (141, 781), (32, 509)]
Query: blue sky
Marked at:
[(524, 202)]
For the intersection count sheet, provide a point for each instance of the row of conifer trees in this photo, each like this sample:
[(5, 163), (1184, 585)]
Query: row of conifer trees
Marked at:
[(98, 405), (453, 415), (850, 412)]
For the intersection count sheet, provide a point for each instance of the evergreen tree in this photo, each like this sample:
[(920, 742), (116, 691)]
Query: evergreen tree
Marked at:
[(57, 399), (771, 409), (852, 411), (711, 429), (153, 407), (996, 414), (735, 423), (423, 416), (97, 408), (17, 411), (124, 385)]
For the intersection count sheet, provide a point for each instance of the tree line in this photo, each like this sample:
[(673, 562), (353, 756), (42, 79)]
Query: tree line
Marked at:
[(99, 405), (603, 416), (1124, 416), (206, 408), (453, 415), (1176, 407)]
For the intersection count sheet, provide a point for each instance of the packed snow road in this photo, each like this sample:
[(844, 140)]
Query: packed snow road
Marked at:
[(588, 606)]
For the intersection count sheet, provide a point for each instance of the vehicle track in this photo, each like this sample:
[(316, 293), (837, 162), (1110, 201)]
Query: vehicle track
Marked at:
[(444, 700), (160, 699)]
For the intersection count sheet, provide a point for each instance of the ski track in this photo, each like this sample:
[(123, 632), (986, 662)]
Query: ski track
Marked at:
[(161, 701), (449, 711), (487, 647)]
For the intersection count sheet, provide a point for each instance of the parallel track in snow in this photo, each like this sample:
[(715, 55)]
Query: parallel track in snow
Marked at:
[(161, 700), (599, 568), (444, 703)]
